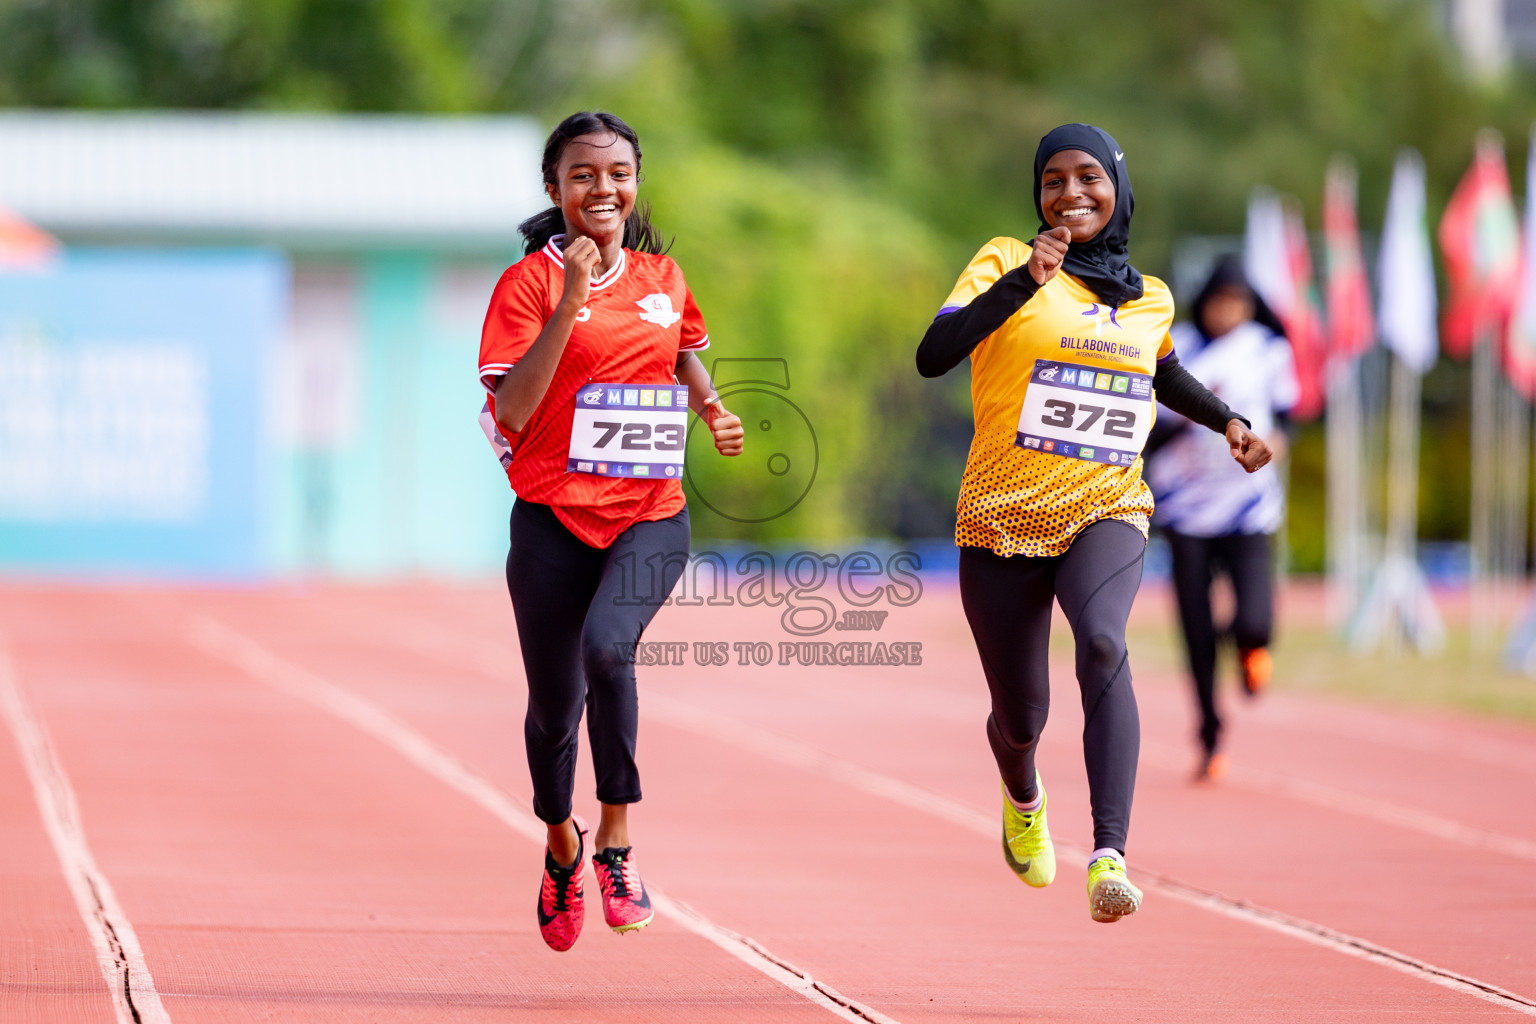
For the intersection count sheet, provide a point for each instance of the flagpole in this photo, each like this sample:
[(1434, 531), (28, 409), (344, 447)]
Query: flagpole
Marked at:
[(1403, 474), (1498, 548), (1342, 429), (1480, 239), (1398, 605), (1483, 438), (1350, 333), (1512, 459), (1512, 501), (1424, 628), (1520, 651)]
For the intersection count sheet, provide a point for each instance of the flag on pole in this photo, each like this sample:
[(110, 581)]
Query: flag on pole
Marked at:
[(1264, 260), (1278, 264), (1520, 342), (1351, 328), (24, 246), (1304, 325), (1406, 269), (1480, 240)]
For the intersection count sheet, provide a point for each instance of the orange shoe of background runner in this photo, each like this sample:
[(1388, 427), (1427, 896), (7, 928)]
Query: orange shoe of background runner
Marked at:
[(1212, 769), (1257, 666)]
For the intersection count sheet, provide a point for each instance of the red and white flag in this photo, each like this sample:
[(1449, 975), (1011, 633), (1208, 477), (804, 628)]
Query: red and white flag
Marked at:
[(1480, 241), (1351, 328), (1278, 263)]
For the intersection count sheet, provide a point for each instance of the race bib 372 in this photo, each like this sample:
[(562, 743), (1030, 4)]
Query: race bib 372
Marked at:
[(1084, 412)]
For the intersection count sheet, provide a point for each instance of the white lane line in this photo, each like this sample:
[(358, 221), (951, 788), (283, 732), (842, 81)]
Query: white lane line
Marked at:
[(1317, 794), (805, 757), (496, 660), (1440, 740), (134, 999), (493, 659), (284, 676)]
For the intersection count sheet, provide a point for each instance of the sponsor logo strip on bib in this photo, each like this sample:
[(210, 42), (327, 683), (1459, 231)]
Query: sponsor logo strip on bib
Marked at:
[(629, 430), (1084, 412)]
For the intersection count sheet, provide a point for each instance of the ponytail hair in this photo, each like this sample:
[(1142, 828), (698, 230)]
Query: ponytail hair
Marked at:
[(639, 233), (541, 227)]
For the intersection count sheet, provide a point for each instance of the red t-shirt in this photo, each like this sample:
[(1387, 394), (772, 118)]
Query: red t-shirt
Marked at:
[(619, 337)]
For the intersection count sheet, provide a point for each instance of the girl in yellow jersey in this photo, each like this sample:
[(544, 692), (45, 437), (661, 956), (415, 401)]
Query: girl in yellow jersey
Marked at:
[(1069, 354)]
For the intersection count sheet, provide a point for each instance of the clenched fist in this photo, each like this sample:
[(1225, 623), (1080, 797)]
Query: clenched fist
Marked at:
[(581, 258), (1248, 448), (1046, 251), (725, 427)]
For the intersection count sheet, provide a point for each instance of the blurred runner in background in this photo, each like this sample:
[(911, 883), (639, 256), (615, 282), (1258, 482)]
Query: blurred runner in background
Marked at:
[(1217, 518)]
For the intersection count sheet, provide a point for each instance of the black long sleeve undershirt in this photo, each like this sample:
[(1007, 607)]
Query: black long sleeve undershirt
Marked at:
[(953, 336), (1178, 389)]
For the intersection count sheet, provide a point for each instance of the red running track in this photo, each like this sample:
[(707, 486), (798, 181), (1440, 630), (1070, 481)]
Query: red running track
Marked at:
[(311, 804)]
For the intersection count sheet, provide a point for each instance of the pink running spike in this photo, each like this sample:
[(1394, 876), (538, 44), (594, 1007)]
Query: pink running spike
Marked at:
[(562, 902), (626, 904)]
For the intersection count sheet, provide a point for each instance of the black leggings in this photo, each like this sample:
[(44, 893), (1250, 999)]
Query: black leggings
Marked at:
[(579, 611), (1008, 604), (1196, 561)]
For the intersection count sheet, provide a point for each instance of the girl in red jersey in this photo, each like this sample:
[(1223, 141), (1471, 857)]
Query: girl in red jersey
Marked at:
[(588, 353)]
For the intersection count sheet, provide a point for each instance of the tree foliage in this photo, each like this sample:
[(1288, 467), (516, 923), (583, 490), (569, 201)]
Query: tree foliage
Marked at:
[(441, 56), (828, 165)]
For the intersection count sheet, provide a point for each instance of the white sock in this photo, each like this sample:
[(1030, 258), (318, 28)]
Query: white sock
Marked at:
[(1107, 851), (1031, 807)]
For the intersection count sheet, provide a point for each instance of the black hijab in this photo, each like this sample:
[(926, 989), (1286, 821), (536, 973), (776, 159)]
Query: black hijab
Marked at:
[(1229, 274), (1100, 263)]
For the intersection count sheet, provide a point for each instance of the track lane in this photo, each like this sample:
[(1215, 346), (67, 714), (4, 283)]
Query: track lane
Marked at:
[(935, 740), (48, 969), (278, 863), (1462, 903), (780, 698)]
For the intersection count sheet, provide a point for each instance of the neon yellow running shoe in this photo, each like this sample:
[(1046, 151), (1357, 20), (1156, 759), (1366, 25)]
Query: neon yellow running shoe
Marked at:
[(1027, 841), (1111, 896)]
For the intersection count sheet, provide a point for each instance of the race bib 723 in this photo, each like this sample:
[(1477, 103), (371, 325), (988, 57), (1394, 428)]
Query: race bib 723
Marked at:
[(1083, 412), (629, 430)]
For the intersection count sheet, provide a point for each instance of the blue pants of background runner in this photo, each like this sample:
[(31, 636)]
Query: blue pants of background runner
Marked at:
[(579, 611), (1008, 604)]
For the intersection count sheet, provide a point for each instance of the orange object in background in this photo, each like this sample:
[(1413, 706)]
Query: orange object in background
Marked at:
[(23, 245)]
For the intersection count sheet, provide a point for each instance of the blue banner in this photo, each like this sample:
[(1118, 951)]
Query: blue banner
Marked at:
[(134, 389)]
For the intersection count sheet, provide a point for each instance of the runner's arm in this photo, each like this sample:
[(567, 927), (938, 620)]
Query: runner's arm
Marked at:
[(724, 425), (953, 335), (1178, 389), (524, 385), (691, 373)]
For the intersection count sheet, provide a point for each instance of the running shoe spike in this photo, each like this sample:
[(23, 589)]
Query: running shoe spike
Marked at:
[(1027, 841), (562, 903), (626, 904), (1111, 896)]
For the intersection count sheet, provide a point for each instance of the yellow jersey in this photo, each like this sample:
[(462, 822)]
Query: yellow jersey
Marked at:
[(1062, 399)]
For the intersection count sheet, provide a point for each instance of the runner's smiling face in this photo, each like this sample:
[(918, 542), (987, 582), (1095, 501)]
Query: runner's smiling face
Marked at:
[(595, 185), (1077, 193)]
